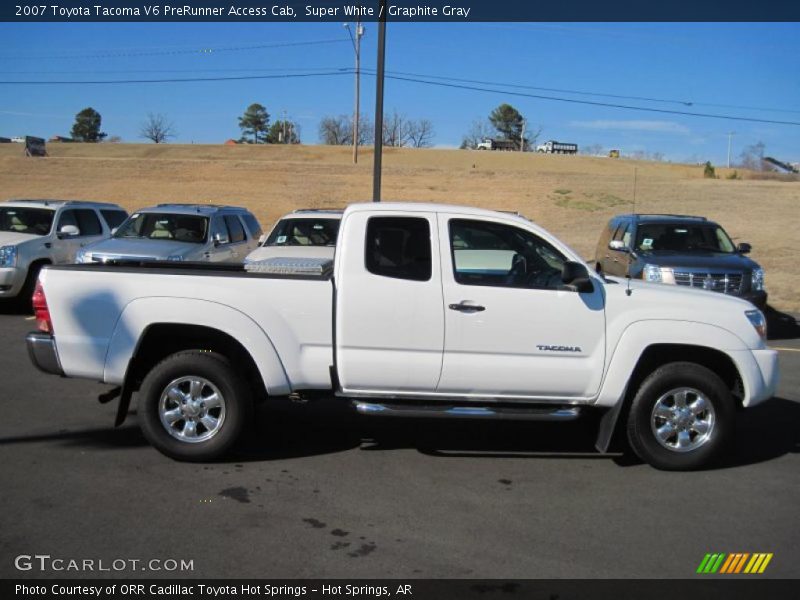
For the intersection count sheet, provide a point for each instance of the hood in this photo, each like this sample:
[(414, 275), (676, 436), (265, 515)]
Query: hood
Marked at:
[(140, 249), (12, 238), (662, 302), (265, 252), (711, 261)]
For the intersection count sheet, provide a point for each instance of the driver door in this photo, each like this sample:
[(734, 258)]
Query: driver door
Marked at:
[(511, 328)]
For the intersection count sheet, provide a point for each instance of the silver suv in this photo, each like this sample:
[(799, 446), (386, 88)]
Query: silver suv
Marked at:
[(180, 232), (34, 233)]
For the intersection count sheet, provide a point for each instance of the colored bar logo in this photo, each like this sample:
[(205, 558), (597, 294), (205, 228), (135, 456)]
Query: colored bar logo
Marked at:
[(738, 562)]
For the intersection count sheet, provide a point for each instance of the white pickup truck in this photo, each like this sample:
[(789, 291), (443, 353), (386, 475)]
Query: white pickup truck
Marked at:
[(429, 310)]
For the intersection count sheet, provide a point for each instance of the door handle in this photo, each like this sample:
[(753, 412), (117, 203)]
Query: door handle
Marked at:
[(467, 306)]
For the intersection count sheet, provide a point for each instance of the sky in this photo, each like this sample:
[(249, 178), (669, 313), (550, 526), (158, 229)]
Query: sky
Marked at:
[(736, 69)]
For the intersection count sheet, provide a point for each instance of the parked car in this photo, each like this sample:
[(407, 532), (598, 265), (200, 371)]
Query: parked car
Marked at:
[(308, 232), (34, 233), (679, 250), (178, 232), (429, 310)]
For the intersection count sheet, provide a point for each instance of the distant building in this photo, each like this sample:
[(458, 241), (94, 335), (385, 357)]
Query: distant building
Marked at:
[(231, 142)]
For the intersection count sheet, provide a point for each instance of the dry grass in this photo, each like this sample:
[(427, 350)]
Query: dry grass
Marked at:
[(571, 196)]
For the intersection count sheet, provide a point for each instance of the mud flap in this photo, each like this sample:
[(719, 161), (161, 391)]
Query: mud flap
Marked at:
[(124, 404)]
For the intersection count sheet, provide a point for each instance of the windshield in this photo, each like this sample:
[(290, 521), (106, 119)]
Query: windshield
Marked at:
[(682, 238), (304, 232), (165, 226), (35, 221)]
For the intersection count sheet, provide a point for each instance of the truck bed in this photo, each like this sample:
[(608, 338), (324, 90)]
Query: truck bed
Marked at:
[(102, 310)]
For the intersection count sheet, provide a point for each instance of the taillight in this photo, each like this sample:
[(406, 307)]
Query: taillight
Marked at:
[(40, 310)]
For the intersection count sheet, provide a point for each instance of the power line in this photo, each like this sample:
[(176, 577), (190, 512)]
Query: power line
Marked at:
[(591, 102), (185, 80), (130, 71), (206, 50), (587, 93)]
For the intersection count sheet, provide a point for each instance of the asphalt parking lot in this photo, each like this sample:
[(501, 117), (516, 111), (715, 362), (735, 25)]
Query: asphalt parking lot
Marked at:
[(317, 492)]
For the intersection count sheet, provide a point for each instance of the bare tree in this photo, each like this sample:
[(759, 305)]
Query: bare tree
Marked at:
[(420, 133), (157, 128), (336, 131), (478, 131), (752, 157), (395, 130)]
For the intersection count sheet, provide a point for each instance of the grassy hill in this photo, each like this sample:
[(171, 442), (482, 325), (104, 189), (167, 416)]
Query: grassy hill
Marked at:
[(572, 196)]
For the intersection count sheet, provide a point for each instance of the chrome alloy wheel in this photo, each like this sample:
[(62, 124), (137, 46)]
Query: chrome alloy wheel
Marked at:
[(191, 409), (682, 419)]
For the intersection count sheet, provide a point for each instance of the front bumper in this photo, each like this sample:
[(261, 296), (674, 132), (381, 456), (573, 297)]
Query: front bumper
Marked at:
[(43, 354), (11, 281)]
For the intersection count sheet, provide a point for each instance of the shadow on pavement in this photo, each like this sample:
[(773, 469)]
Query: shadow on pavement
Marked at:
[(14, 307), (781, 326), (329, 426)]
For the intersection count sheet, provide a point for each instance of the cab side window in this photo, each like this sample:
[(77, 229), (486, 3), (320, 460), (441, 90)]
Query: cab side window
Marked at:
[(399, 247), (499, 255)]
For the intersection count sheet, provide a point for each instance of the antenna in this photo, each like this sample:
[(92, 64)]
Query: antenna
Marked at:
[(628, 290)]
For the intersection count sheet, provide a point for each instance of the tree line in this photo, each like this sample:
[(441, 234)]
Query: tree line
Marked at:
[(398, 131)]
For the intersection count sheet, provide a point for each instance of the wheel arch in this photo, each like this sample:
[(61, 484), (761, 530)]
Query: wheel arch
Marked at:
[(656, 355), (138, 342)]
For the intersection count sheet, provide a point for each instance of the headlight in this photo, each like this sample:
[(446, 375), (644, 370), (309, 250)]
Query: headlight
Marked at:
[(656, 274), (757, 282), (83, 257), (175, 257), (8, 256), (758, 321)]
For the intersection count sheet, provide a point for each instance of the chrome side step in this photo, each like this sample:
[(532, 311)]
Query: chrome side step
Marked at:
[(384, 409)]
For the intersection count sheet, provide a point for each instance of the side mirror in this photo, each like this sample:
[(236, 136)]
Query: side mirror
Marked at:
[(218, 239), (744, 248), (618, 245), (576, 278), (68, 231)]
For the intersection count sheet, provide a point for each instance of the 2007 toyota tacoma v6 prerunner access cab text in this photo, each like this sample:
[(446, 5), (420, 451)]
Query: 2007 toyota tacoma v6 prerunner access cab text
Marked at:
[(427, 310)]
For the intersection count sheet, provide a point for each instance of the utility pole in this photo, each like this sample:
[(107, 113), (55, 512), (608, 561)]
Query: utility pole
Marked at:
[(377, 164), (357, 109), (730, 135), (522, 137), (284, 126)]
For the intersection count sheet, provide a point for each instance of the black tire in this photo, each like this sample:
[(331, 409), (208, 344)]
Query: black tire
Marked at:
[(640, 426), (25, 296), (218, 371)]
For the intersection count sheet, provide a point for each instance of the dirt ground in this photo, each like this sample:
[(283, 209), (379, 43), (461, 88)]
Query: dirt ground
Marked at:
[(572, 196)]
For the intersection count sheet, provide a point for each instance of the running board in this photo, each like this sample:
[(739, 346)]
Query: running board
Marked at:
[(467, 412)]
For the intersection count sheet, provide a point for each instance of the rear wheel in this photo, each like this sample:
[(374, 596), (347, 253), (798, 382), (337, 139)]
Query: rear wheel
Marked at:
[(24, 298), (682, 418), (194, 406)]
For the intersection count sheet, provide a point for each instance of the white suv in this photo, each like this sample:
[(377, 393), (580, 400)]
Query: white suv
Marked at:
[(34, 233), (306, 233)]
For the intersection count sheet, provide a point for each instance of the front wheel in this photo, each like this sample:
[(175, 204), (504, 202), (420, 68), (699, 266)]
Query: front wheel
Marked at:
[(194, 406), (682, 418)]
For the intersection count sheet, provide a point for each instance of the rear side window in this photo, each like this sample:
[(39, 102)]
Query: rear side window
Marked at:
[(252, 225), (399, 247), (113, 218), (235, 228)]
